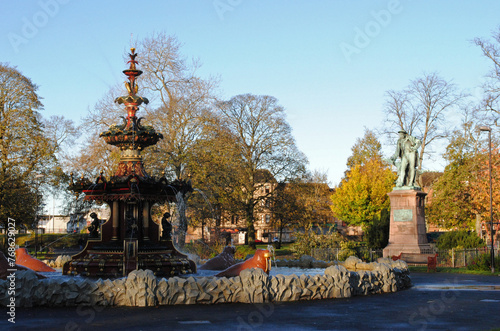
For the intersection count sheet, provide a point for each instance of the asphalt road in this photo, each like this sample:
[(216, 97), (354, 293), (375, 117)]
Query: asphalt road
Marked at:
[(437, 301)]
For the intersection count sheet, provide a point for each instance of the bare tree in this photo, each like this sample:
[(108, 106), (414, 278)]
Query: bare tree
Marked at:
[(491, 101), (421, 109), (268, 150), (180, 103)]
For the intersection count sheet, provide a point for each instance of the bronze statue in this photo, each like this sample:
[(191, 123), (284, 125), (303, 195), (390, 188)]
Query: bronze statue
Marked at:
[(132, 227), (94, 226), (407, 150), (167, 227)]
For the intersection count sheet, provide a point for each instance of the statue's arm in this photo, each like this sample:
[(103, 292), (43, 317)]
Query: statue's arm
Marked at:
[(396, 153), (416, 144)]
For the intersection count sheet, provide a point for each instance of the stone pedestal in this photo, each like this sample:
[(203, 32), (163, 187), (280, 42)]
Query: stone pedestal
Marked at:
[(407, 233)]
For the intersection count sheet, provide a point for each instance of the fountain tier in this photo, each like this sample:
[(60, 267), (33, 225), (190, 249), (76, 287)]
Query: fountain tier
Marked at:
[(130, 240)]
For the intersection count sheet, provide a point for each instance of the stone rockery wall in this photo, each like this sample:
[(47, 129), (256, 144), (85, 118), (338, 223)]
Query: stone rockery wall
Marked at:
[(141, 288)]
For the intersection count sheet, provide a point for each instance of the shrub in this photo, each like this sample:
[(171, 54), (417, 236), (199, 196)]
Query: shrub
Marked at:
[(377, 233), (308, 240), (243, 251), (459, 239), (205, 250), (348, 249), (483, 262)]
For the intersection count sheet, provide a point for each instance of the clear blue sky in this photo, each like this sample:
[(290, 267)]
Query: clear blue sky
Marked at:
[(308, 54)]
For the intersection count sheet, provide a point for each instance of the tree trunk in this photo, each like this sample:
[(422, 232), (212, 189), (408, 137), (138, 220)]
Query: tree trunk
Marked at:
[(278, 246), (250, 225), (218, 212), (251, 234)]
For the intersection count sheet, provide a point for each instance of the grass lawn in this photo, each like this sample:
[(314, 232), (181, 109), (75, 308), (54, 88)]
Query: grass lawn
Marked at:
[(453, 270), (283, 253)]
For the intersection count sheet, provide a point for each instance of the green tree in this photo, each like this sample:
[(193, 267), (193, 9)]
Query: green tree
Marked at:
[(26, 151), (450, 204), (459, 239), (364, 149), (301, 202), (362, 195), (286, 208), (313, 195), (377, 233), (215, 168)]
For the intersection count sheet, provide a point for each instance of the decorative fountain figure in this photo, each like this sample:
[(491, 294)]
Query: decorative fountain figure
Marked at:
[(166, 227), (94, 226), (130, 240)]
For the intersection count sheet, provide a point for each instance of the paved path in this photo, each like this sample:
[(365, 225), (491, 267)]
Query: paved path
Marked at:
[(437, 301)]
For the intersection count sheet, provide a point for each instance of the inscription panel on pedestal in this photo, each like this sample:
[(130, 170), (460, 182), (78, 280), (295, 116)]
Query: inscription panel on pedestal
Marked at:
[(403, 215)]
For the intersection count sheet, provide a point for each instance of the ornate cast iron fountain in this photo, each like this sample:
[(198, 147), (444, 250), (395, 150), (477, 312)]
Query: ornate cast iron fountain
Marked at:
[(130, 240)]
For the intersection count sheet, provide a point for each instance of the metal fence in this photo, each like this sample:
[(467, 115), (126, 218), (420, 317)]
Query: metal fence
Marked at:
[(336, 254), (455, 258), (458, 258)]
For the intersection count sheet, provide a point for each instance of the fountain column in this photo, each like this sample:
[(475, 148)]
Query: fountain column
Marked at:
[(116, 219), (145, 220)]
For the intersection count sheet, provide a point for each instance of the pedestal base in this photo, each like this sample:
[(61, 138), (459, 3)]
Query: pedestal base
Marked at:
[(407, 233), (396, 249), (118, 259)]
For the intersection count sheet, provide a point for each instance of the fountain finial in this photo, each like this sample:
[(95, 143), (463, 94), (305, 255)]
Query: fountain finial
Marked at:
[(132, 101), (132, 61)]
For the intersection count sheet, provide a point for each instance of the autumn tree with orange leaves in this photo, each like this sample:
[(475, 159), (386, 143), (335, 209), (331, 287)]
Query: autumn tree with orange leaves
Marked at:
[(480, 187)]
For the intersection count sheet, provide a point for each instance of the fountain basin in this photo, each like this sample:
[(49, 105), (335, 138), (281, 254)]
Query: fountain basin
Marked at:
[(142, 288)]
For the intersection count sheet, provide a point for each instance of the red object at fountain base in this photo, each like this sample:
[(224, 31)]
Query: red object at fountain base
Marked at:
[(261, 260), (26, 260)]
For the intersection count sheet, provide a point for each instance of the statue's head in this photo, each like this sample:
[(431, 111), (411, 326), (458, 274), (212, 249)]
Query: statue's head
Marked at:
[(93, 215), (402, 133)]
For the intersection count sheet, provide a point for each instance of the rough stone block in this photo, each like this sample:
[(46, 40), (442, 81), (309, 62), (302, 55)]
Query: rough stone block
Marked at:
[(351, 262), (306, 261)]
